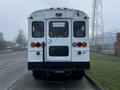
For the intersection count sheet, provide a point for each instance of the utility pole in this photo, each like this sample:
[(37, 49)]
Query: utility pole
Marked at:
[(97, 23)]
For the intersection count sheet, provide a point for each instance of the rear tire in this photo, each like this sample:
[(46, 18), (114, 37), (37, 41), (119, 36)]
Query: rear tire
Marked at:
[(37, 74), (78, 74)]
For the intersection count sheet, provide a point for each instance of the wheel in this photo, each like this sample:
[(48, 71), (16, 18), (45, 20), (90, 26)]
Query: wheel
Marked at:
[(78, 74), (37, 74)]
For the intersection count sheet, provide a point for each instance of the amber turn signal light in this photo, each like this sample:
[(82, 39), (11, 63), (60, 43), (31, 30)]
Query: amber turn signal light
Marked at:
[(33, 44)]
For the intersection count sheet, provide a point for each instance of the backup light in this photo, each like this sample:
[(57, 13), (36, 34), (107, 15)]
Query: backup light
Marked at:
[(74, 44)]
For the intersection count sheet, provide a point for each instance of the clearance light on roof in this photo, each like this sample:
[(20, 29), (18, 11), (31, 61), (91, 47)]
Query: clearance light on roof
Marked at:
[(58, 8), (65, 8), (51, 8)]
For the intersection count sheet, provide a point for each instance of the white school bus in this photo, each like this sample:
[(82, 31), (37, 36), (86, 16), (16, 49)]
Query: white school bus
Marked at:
[(58, 41)]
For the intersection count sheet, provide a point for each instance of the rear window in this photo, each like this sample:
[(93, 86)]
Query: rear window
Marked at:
[(37, 29), (79, 29), (58, 29), (58, 51)]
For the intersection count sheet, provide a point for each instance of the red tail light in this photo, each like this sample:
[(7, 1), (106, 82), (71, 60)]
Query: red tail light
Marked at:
[(38, 44), (33, 44), (80, 44), (84, 44)]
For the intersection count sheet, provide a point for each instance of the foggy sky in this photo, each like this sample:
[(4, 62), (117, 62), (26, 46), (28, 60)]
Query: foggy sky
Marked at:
[(14, 13)]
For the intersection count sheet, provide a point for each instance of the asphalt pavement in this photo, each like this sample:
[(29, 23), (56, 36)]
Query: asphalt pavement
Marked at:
[(15, 76)]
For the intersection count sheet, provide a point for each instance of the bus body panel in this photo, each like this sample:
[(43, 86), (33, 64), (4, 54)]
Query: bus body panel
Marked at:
[(72, 59)]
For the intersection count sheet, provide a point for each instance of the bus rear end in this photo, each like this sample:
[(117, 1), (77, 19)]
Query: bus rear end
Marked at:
[(58, 42)]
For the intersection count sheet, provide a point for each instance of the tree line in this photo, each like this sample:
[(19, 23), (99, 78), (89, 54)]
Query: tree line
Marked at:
[(20, 42)]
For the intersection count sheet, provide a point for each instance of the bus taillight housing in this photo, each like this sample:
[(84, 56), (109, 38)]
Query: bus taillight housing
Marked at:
[(80, 44), (37, 44)]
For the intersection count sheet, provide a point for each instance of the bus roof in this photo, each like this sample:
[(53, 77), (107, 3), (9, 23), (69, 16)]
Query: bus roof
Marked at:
[(52, 12)]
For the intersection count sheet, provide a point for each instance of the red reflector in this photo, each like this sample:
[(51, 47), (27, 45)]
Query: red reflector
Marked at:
[(38, 44), (33, 44), (84, 44)]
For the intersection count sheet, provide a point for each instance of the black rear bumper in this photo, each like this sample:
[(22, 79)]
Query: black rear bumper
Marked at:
[(58, 65)]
